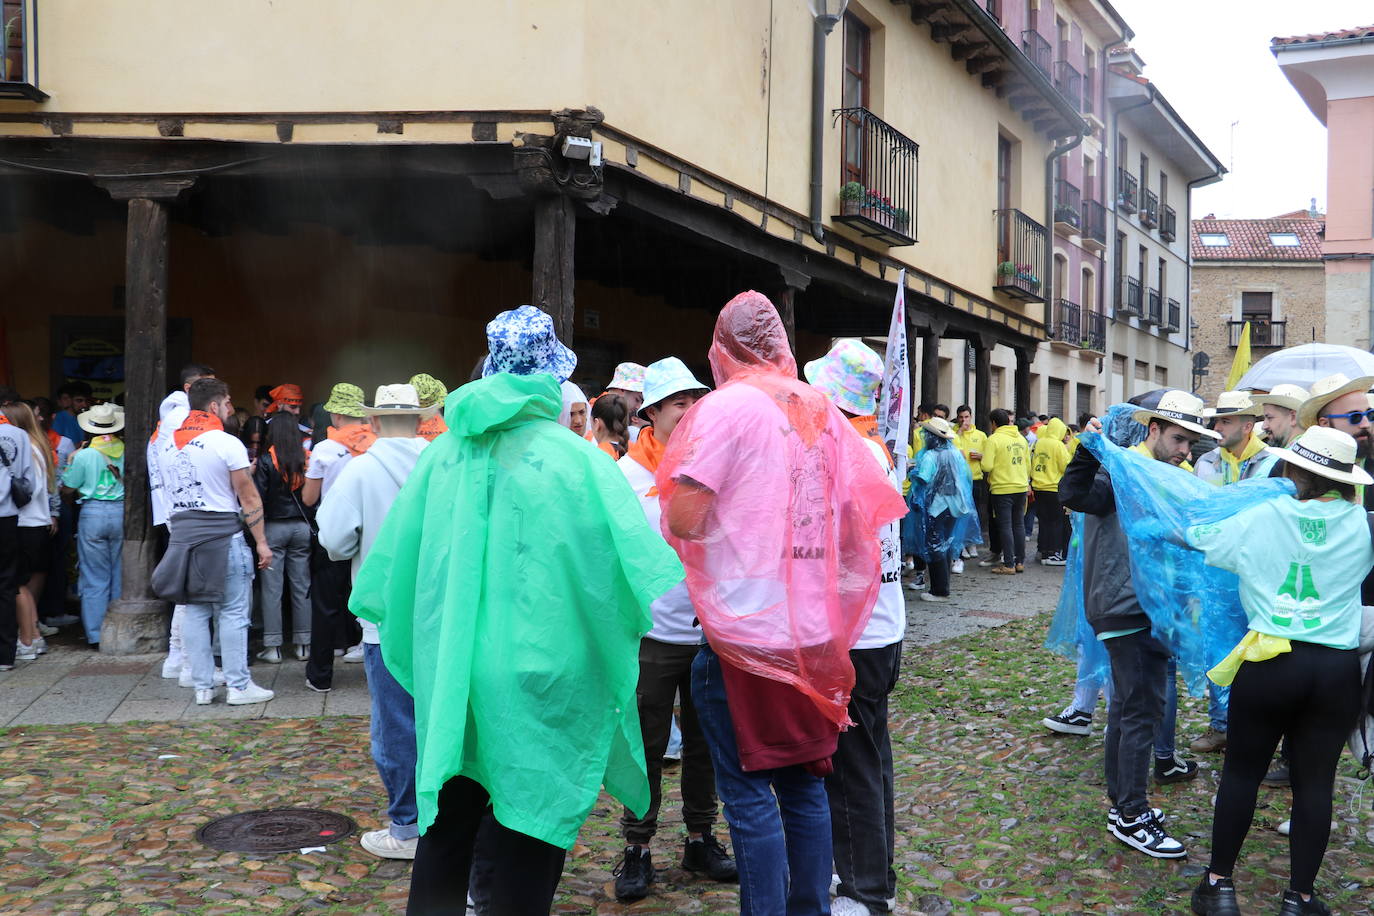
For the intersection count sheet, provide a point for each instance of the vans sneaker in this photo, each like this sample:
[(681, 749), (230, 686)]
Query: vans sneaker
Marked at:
[(1070, 722), (1145, 833), (1054, 559), (1174, 769), (1215, 899), (244, 696)]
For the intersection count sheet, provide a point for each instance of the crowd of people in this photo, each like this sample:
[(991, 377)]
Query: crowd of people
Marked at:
[(722, 570)]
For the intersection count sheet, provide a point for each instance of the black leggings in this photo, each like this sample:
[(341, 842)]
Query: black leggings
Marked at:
[(1311, 696)]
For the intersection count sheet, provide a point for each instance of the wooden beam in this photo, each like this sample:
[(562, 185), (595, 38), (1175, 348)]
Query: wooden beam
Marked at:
[(946, 31), (555, 234), (963, 50), (1044, 125), (1024, 100), (982, 373), (930, 368)]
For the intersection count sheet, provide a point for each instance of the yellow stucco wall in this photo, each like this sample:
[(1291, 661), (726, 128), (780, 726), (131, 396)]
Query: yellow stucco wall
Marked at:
[(722, 84)]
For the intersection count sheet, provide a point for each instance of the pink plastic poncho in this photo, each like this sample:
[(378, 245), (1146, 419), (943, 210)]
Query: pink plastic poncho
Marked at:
[(785, 569)]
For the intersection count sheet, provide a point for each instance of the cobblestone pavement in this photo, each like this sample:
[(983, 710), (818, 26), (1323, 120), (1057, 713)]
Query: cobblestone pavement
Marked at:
[(994, 815)]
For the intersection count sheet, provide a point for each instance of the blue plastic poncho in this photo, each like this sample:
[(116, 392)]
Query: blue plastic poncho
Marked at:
[(943, 517), (1194, 608)]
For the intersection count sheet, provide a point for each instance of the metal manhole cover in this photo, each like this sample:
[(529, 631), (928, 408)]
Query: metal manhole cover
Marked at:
[(277, 830)]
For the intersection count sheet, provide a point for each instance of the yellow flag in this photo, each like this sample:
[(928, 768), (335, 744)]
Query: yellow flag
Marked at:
[(1240, 363)]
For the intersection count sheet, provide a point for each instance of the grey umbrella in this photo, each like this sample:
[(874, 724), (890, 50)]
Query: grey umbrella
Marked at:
[(1306, 364)]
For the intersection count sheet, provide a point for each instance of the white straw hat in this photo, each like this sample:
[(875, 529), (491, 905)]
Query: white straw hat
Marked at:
[(1327, 453), (939, 426), (102, 419), (1326, 390), (1289, 396), (1179, 408), (397, 401), (1233, 403)]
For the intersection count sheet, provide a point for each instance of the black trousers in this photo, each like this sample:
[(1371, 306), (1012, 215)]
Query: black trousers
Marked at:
[(665, 673), (9, 586), (331, 626), (523, 872), (1140, 664), (1054, 524), (53, 602), (1010, 509), (982, 500), (862, 824), (1311, 696)]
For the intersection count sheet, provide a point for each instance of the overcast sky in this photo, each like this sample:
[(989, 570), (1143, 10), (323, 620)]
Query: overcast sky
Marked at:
[(1211, 59)]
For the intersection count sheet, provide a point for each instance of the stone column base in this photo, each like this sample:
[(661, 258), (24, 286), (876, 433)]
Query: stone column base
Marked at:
[(135, 626)]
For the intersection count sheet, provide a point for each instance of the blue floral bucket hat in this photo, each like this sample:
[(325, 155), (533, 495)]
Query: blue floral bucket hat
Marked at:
[(522, 342)]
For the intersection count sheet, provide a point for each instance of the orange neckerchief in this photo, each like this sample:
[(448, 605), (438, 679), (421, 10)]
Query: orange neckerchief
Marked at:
[(432, 428), (197, 422), (647, 450), (54, 440), (868, 428), (357, 438), (295, 480), (4, 420)]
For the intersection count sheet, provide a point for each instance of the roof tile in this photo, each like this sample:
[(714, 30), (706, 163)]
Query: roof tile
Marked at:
[(1249, 240), (1366, 31)]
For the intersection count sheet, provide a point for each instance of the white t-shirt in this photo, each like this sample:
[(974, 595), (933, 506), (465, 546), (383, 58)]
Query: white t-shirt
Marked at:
[(888, 623), (672, 611), (196, 477), (327, 459), (38, 512)]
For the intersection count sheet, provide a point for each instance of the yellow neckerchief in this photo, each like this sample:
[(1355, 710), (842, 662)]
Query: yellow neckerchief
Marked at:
[(1252, 448)]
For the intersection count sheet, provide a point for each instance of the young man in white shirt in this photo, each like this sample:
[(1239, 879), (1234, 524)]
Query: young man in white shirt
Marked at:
[(206, 471), (666, 654)]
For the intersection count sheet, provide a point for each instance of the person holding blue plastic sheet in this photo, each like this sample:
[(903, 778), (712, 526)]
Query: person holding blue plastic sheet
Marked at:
[(1300, 562), (942, 506), (1139, 660)]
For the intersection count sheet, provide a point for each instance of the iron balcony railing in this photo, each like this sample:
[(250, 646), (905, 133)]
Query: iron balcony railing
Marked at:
[(1068, 205), (1168, 228), (1155, 312), (1127, 198), (1089, 90), (878, 183), (1174, 317), (1069, 82), (1094, 222), (1264, 332), (1020, 255), (19, 51), (1034, 45), (1131, 304), (1066, 325), (1149, 210), (1094, 331)]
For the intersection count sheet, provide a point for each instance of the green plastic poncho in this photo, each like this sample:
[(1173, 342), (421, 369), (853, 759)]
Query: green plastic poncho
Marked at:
[(511, 583)]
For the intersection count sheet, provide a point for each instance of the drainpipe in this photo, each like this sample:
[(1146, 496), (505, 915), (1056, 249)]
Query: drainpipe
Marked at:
[(1112, 267), (1047, 269), (820, 30)]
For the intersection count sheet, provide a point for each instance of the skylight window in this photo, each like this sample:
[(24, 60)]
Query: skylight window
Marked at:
[(1214, 239), (1283, 239)]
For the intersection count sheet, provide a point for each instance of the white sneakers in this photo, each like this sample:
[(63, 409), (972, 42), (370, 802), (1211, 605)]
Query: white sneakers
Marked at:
[(354, 654), (24, 653), (205, 696), (271, 655), (302, 651), (847, 906), (927, 596), (381, 843), (957, 567), (245, 696), (171, 667), (186, 680)]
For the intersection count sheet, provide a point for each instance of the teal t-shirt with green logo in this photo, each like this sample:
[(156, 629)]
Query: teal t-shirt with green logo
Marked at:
[(1300, 565)]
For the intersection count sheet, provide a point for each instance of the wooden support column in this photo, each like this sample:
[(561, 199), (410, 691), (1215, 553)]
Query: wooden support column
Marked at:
[(793, 282), (137, 622), (930, 367), (555, 237), (982, 381), (1023, 364)]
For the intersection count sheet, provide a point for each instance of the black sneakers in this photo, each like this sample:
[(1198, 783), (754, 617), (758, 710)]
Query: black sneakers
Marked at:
[(1215, 899), (1279, 776), (1145, 833), (1294, 905), (707, 857), (634, 874), (1174, 769), (1070, 722), (1114, 815)]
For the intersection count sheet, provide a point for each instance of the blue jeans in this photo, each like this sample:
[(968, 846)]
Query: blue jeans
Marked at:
[(230, 614), (393, 743), (1218, 705), (779, 819), (100, 546)]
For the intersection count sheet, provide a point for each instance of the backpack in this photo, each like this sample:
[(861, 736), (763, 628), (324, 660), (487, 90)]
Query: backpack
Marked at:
[(21, 491)]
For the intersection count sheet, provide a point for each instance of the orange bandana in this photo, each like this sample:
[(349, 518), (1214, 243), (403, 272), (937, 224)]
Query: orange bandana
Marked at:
[(197, 422), (868, 428), (647, 450), (357, 438), (285, 394), (432, 428)]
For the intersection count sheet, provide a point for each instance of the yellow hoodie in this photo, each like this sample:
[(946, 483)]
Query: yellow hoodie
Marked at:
[(1006, 461), (972, 440), (1050, 456)]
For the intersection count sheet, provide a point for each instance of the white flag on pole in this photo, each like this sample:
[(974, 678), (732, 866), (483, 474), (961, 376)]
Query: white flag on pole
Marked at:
[(894, 409)]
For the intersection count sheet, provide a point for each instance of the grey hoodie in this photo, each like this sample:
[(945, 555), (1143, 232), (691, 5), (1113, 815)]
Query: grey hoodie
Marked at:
[(15, 458)]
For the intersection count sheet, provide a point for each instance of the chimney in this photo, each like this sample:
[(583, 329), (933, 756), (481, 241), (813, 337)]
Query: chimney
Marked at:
[(1312, 210)]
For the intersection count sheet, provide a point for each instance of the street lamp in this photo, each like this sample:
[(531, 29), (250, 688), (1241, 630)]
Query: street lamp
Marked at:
[(826, 14)]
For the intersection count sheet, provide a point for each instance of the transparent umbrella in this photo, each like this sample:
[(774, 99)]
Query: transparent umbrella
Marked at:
[(1306, 364)]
